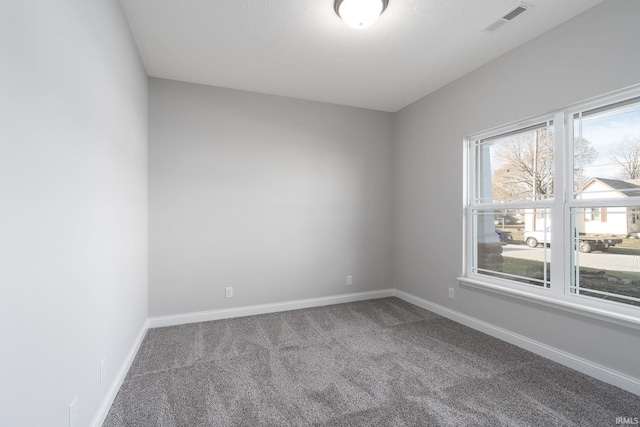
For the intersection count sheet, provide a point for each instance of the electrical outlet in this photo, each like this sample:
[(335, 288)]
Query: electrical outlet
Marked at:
[(73, 413), (349, 280), (103, 370), (451, 295), (228, 292)]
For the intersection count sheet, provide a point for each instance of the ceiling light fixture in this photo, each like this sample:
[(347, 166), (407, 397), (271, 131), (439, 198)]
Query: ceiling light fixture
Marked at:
[(360, 13)]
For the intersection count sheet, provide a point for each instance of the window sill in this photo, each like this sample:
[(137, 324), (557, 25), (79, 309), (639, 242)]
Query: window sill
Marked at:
[(623, 319)]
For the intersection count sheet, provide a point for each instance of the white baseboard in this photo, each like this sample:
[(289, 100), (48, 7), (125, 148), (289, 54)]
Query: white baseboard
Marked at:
[(103, 411), (228, 313), (591, 369)]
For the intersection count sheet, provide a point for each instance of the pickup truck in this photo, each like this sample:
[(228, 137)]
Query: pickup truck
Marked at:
[(586, 245)]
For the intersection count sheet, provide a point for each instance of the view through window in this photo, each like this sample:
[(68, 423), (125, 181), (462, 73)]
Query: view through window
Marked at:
[(607, 264), (556, 206)]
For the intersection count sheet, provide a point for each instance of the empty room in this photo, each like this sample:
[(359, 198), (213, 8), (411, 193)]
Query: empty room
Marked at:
[(319, 212)]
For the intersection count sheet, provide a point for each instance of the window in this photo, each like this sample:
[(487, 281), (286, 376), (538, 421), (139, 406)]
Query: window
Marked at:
[(595, 214), (553, 205), (513, 178)]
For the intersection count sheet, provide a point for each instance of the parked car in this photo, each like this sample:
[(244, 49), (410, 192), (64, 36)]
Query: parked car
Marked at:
[(507, 219), (505, 236)]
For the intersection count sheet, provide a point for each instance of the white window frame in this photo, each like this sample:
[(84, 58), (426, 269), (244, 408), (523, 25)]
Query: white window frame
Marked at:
[(558, 295)]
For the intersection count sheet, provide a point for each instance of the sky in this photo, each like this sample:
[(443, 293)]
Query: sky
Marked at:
[(605, 131)]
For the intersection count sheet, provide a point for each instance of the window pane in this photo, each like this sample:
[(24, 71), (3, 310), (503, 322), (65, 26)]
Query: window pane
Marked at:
[(607, 253), (512, 244), (606, 159), (517, 166)]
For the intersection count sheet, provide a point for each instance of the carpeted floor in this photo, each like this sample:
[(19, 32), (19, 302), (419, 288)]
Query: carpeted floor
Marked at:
[(382, 362)]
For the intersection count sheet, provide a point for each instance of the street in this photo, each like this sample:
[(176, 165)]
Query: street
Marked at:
[(595, 260)]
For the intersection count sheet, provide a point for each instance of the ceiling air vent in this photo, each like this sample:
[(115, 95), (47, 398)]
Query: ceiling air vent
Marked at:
[(515, 12), (505, 18)]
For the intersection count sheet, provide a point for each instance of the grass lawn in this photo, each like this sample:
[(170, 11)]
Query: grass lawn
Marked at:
[(617, 282), (523, 267)]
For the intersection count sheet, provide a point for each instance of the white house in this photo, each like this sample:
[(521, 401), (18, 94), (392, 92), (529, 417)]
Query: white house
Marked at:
[(620, 220)]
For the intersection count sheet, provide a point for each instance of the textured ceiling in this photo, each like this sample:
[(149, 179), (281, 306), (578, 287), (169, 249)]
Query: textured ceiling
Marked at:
[(301, 49)]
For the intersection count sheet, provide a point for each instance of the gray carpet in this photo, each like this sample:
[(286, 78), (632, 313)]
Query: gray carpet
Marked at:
[(373, 363)]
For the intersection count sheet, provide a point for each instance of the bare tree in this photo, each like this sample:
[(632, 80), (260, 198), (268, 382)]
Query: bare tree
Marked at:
[(583, 156), (628, 157), (527, 160)]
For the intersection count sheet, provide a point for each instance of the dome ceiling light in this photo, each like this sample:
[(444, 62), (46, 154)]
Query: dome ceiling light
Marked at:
[(360, 14)]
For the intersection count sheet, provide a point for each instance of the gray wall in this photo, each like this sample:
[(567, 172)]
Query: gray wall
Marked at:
[(595, 53), (279, 198), (73, 210)]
